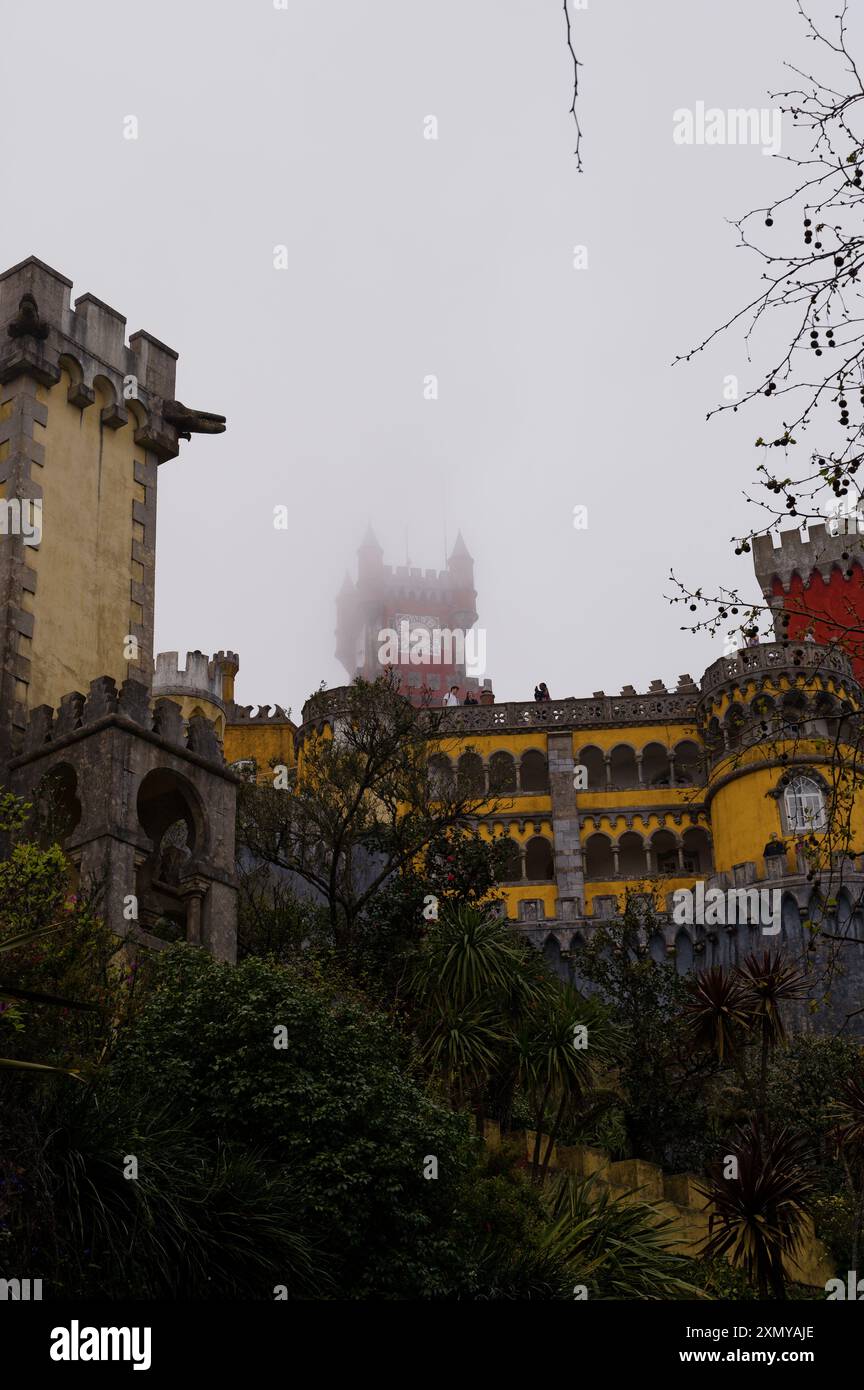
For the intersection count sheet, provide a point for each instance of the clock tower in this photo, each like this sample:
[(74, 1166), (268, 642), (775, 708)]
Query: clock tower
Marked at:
[(418, 622)]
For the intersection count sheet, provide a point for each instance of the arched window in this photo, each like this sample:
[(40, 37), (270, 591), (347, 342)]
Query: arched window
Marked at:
[(577, 979), (655, 765), (511, 868), (825, 708), (688, 763), (793, 712), (592, 760), (533, 772), (552, 957), (804, 803), (664, 852), (657, 948), (697, 851), (631, 855), (598, 857), (622, 761), (440, 775), (502, 773), (735, 722), (164, 797), (538, 858), (471, 777)]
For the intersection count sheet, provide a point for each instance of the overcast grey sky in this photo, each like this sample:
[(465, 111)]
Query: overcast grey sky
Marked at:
[(304, 127)]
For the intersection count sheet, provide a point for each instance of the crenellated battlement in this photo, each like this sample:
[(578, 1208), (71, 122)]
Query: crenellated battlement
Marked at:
[(78, 713), (42, 335), (202, 675), (805, 553), (263, 714), (401, 581)]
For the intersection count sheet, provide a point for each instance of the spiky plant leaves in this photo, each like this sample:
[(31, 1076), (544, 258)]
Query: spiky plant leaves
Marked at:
[(759, 1212), (463, 1044), (768, 981), (716, 1012), (470, 953), (849, 1114), (620, 1247)]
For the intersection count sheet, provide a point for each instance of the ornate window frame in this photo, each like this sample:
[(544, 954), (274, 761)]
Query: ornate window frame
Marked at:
[(781, 794)]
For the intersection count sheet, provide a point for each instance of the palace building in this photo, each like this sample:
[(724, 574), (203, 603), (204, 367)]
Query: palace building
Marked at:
[(649, 792), (659, 791)]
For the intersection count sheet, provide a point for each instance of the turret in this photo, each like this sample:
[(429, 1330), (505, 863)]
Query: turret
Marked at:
[(370, 557), (85, 421), (816, 578)]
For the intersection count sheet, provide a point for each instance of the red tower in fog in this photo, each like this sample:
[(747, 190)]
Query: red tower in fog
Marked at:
[(818, 580), (388, 611)]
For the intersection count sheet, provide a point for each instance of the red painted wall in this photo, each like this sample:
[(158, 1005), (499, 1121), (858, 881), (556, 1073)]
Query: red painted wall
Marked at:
[(835, 610)]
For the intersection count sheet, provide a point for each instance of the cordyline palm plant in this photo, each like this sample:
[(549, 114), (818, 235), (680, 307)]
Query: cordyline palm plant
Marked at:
[(473, 953), (759, 1212), (769, 981), (719, 1019), (717, 1012), (849, 1135), (620, 1246), (564, 1044), (473, 982), (729, 1009), (586, 1239), (462, 1046)]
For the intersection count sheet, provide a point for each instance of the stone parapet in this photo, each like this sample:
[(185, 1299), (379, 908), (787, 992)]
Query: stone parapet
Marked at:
[(131, 705), (602, 710), (778, 658)]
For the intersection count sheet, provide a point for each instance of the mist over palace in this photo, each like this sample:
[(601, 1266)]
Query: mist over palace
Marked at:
[(725, 783)]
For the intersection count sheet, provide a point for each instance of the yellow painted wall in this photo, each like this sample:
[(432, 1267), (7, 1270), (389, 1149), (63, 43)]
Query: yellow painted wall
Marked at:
[(658, 886), (668, 735), (262, 742), (84, 563), (743, 814)]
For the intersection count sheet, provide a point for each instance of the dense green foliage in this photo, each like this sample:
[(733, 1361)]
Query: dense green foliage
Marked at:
[(335, 1104), (317, 1122)]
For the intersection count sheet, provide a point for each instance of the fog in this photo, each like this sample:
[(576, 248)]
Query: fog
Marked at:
[(405, 258)]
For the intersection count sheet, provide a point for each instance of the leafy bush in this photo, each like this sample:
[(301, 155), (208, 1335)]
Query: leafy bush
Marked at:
[(338, 1107)]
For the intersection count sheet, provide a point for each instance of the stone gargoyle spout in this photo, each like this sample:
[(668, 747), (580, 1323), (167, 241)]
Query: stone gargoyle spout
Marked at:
[(28, 323), (188, 422)]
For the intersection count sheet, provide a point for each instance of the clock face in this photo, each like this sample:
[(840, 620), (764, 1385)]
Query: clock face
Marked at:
[(415, 620)]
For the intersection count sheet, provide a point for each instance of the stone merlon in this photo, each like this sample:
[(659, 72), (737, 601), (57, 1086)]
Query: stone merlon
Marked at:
[(801, 553), (42, 333)]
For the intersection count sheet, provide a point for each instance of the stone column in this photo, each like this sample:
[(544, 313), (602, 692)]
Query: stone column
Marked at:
[(193, 890), (569, 873)]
